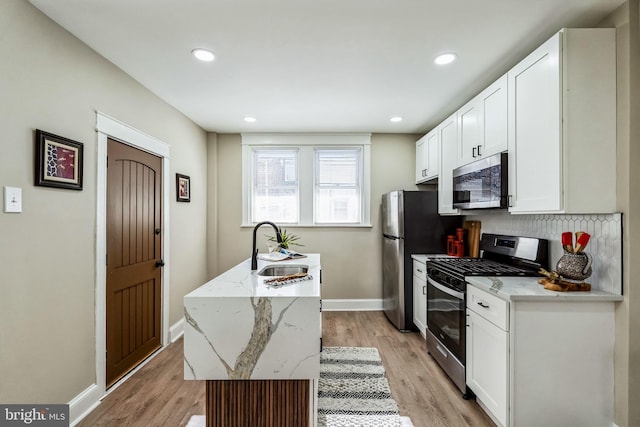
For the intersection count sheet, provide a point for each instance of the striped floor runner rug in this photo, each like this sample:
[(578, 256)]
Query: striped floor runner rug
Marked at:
[(353, 389)]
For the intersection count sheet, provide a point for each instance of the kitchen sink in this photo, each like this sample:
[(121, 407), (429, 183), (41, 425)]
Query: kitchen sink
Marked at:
[(283, 270)]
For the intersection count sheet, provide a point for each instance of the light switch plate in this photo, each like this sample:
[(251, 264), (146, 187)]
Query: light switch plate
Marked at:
[(12, 199)]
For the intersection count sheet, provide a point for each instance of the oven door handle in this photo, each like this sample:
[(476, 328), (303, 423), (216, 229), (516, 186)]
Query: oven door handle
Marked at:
[(445, 289)]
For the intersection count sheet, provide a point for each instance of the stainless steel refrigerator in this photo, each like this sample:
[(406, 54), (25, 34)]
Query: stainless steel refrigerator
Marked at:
[(410, 225)]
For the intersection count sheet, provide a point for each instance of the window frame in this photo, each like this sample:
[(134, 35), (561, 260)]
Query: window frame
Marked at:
[(317, 185), (264, 149), (306, 144)]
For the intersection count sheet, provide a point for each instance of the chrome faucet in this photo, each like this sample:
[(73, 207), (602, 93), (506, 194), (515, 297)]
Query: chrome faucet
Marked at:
[(254, 251)]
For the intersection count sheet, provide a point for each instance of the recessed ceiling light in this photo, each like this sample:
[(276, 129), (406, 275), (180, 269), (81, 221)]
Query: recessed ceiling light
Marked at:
[(445, 58), (250, 119), (203, 55), (395, 119)]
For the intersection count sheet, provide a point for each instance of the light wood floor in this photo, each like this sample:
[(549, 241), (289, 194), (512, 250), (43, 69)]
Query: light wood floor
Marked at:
[(422, 390), (157, 395)]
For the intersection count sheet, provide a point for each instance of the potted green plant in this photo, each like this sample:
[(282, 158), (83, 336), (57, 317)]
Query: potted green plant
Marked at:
[(288, 239)]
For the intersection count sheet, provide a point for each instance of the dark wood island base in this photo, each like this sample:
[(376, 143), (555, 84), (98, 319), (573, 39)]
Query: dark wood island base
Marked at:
[(258, 403)]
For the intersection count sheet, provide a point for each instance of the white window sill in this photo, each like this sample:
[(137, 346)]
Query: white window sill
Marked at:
[(288, 225)]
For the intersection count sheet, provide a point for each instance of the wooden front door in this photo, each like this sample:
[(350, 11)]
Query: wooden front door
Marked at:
[(133, 258)]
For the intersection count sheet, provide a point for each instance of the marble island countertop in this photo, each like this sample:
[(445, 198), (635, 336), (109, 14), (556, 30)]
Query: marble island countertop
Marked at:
[(528, 288), (238, 327), (240, 281)]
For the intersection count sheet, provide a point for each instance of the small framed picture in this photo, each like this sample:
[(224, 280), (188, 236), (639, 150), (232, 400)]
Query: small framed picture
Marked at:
[(183, 188), (58, 161)]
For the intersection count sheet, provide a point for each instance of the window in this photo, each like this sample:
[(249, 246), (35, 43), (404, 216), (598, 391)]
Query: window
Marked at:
[(337, 185), (275, 185), (306, 179)]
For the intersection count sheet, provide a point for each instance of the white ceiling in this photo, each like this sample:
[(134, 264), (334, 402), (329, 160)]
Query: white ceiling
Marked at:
[(318, 65)]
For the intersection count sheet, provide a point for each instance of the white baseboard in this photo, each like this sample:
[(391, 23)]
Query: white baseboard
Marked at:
[(82, 405), (176, 330), (351, 305)]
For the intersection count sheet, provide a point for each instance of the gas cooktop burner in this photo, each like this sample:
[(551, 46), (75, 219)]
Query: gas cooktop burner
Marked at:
[(479, 267), (501, 256)]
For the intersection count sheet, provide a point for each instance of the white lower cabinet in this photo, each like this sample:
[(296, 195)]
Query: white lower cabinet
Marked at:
[(545, 362), (488, 364), (487, 367), (420, 296)]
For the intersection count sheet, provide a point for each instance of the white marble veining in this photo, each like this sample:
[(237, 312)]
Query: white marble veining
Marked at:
[(240, 281), (528, 288), (237, 327)]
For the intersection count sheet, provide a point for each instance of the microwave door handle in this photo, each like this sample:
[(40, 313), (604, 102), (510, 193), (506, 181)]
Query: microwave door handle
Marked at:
[(445, 289)]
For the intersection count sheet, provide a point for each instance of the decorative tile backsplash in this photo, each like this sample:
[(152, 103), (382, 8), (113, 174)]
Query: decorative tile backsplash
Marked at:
[(605, 245)]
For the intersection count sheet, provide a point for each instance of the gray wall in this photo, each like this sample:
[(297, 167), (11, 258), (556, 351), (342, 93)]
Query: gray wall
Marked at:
[(51, 81), (350, 256), (627, 350)]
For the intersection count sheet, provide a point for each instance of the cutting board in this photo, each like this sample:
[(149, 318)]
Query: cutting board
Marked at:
[(562, 286), (473, 238)]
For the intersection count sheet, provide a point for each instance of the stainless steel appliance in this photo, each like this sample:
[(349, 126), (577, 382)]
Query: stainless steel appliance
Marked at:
[(481, 184), (410, 225), (446, 293)]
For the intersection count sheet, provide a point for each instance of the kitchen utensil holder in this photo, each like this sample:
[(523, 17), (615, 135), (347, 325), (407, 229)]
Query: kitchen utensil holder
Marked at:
[(574, 266)]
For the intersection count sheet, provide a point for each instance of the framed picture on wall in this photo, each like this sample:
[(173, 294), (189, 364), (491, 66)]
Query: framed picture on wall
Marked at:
[(183, 188), (58, 161)]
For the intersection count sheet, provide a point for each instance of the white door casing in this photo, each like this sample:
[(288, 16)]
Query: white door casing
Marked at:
[(107, 126)]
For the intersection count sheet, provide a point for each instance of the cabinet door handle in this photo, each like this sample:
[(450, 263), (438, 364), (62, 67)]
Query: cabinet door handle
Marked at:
[(479, 154), (418, 270), (483, 305), (424, 290), (473, 151)]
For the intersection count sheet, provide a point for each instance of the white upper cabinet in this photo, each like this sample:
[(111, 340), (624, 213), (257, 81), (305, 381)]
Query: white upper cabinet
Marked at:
[(468, 132), (448, 136), (493, 118), (427, 157), (482, 124), (421, 159), (433, 156), (562, 125)]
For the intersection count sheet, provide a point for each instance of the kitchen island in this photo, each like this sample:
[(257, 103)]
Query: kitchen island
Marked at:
[(257, 345)]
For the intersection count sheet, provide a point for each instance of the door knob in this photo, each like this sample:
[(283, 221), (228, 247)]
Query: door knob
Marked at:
[(160, 263)]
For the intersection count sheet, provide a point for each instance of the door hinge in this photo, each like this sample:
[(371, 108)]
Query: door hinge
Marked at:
[(106, 260)]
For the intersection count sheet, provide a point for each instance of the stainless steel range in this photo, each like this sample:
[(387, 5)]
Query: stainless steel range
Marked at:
[(501, 255)]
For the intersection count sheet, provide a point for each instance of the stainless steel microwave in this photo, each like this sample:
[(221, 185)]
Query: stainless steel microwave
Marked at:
[(481, 184)]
